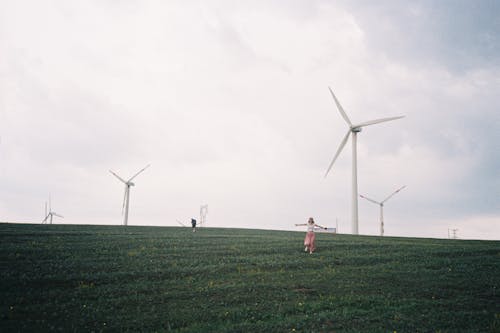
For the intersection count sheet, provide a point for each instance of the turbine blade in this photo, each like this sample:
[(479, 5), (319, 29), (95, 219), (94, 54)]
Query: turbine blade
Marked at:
[(372, 122), (342, 112), (137, 174), (375, 202), (121, 179), (342, 144), (393, 194), (55, 214), (45, 219)]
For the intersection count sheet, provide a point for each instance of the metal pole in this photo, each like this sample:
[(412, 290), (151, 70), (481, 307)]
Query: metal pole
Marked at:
[(125, 218), (354, 221), (381, 219)]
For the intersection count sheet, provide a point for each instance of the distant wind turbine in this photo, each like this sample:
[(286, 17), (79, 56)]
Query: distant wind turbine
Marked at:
[(182, 224), (126, 196), (354, 130), (203, 215), (381, 204), (49, 214)]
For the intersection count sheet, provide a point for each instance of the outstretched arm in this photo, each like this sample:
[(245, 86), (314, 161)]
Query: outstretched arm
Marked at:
[(317, 225)]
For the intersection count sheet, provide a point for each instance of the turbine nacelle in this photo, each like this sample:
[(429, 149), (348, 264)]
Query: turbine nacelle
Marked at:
[(356, 129)]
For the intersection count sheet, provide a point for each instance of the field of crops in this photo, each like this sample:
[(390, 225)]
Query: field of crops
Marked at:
[(110, 278)]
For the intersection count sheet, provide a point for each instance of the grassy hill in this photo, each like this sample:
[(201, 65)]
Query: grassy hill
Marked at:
[(110, 278)]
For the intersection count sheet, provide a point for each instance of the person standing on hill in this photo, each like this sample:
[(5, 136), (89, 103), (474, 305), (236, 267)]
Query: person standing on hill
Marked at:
[(309, 241), (193, 224)]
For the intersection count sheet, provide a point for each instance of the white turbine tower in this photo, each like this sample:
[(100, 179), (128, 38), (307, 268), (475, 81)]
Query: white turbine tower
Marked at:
[(126, 196), (354, 130), (203, 215), (50, 214), (381, 204)]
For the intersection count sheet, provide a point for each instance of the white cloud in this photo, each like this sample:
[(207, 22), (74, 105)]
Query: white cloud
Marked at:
[(229, 103)]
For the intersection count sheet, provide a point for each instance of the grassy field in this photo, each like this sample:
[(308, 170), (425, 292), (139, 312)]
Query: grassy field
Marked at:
[(109, 278)]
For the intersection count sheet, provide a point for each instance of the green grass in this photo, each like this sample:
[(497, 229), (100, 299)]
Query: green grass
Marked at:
[(109, 278)]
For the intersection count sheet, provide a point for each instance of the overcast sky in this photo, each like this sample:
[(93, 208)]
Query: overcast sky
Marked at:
[(229, 102)]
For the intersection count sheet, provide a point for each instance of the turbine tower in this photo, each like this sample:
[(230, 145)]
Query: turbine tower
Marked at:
[(354, 130), (50, 214), (203, 214), (126, 196), (381, 204)]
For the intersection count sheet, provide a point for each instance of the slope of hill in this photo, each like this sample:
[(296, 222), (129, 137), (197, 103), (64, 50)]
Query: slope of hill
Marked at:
[(100, 278)]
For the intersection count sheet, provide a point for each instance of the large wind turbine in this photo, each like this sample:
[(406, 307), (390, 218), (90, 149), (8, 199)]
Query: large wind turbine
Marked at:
[(354, 130), (126, 196), (50, 214), (381, 204)]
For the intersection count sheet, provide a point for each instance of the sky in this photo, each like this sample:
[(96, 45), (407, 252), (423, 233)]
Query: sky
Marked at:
[(229, 103)]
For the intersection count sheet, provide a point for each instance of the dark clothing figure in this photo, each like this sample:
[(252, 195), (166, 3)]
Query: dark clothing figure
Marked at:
[(193, 224)]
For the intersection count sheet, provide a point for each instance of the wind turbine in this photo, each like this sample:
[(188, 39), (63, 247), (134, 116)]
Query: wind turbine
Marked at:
[(381, 204), (126, 196), (50, 214), (354, 130), (203, 214)]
